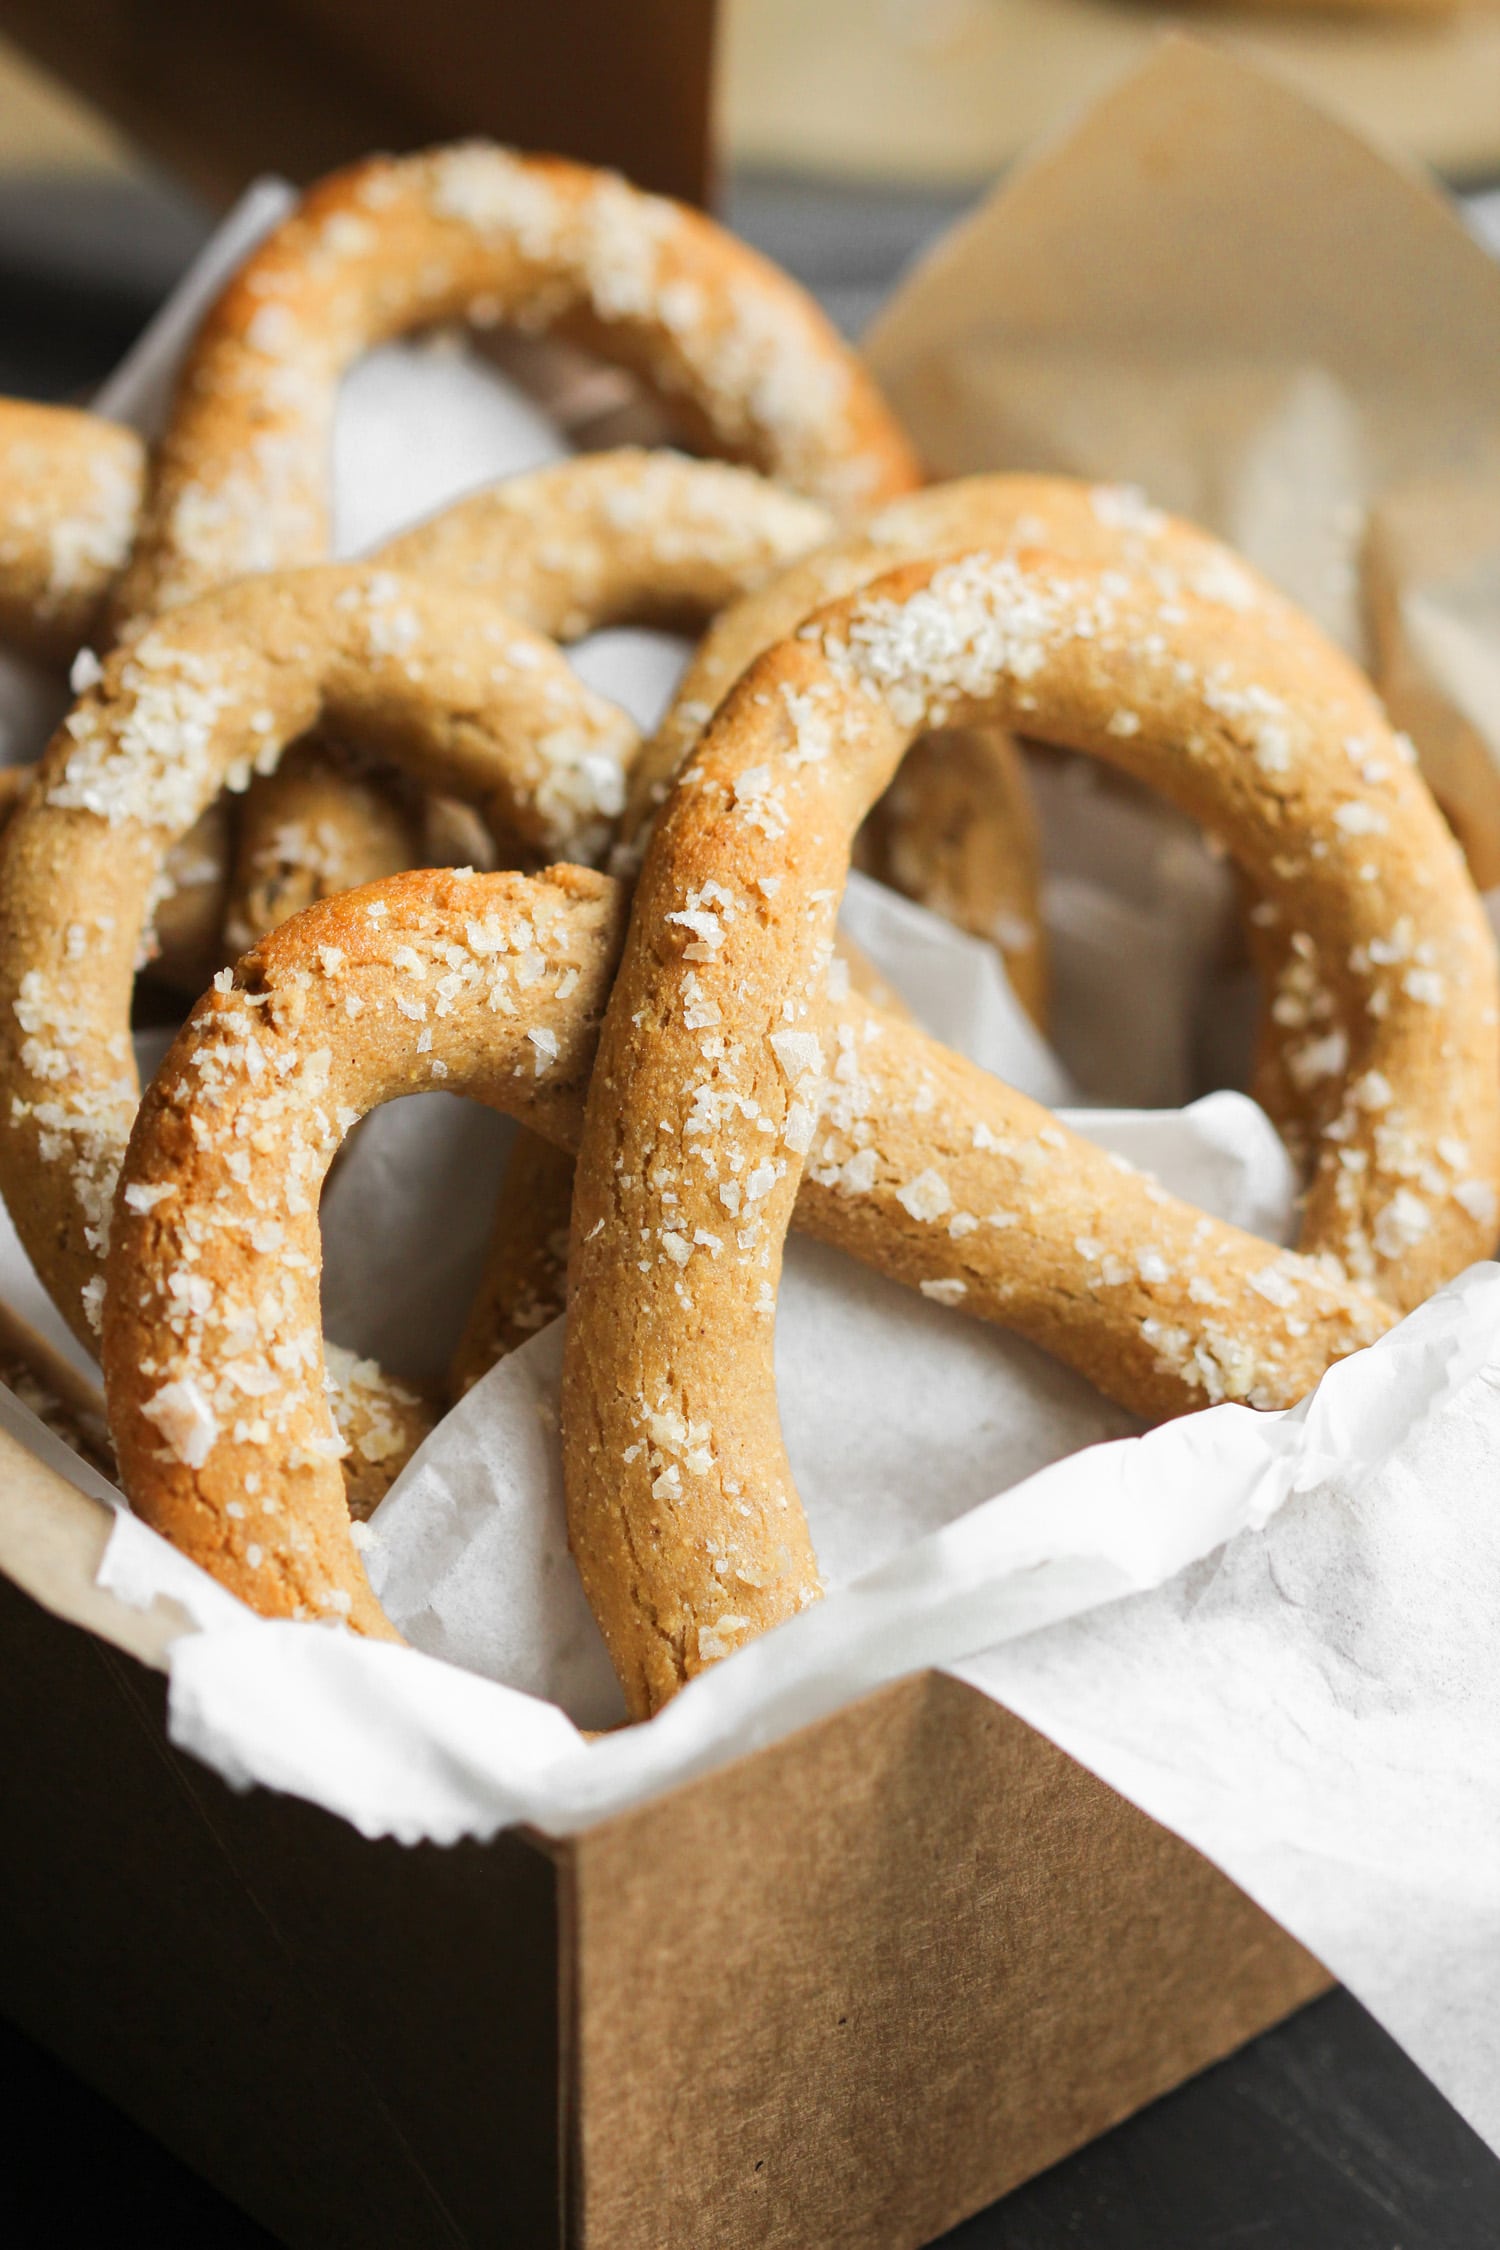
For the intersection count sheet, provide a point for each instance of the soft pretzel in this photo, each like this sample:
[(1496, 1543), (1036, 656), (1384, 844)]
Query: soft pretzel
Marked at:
[(493, 985), (434, 678), (70, 496), (702, 1111), (479, 233)]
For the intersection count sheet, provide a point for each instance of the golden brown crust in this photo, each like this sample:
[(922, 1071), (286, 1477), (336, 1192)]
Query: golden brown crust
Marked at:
[(70, 495), (1181, 669), (622, 538), (480, 233), (446, 978)]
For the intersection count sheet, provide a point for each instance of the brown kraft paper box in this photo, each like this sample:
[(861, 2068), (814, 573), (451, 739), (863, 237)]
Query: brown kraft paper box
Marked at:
[(842, 1993)]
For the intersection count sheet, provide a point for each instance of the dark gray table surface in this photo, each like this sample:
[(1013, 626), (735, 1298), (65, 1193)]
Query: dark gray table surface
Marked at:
[(1320, 2135)]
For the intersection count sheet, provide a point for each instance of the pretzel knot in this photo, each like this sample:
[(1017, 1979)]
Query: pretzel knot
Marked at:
[(703, 1116), (493, 986)]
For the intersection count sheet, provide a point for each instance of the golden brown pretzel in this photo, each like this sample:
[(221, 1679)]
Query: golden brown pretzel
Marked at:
[(211, 1348), (699, 1114), (432, 677)]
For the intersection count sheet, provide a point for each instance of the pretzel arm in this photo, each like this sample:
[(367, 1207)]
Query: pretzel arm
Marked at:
[(70, 496)]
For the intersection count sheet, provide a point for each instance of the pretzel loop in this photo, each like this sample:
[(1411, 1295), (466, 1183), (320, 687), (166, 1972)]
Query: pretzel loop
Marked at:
[(704, 1106), (480, 233)]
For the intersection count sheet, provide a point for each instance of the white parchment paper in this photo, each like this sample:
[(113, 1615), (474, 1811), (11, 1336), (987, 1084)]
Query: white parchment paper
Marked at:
[(1273, 1632)]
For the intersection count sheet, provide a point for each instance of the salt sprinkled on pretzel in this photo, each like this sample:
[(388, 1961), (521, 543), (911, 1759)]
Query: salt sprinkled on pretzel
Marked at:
[(627, 537), (479, 233), (957, 830), (434, 678), (613, 537), (229, 1434), (703, 1110)]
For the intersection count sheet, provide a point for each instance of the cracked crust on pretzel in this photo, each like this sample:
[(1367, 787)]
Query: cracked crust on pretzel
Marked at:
[(703, 1111), (525, 1281)]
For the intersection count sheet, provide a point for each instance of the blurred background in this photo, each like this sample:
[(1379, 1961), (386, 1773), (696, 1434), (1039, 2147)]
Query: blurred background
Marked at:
[(840, 135)]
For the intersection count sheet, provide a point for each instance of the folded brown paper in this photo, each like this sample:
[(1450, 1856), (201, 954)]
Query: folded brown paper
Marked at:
[(1211, 290)]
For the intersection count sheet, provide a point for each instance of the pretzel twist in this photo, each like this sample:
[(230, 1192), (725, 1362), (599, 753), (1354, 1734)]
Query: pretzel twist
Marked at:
[(1100, 524), (212, 1358), (703, 1108), (956, 830)]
